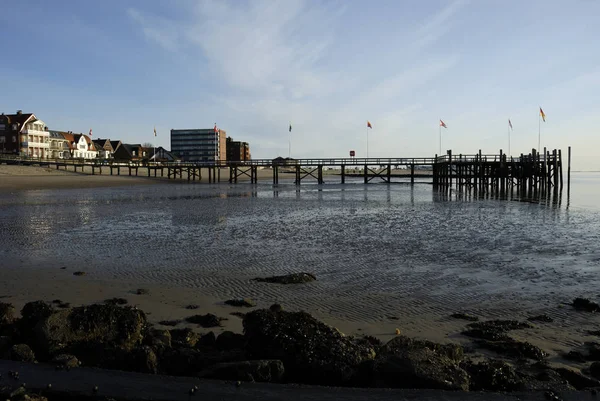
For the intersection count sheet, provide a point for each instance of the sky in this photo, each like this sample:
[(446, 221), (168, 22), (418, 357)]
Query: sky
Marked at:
[(123, 67)]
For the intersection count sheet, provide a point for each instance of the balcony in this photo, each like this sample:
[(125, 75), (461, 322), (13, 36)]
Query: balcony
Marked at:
[(40, 145), (35, 132)]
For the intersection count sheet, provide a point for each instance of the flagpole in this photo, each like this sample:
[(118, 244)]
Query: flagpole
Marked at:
[(539, 130), (508, 138), (440, 124), (290, 144), (367, 141)]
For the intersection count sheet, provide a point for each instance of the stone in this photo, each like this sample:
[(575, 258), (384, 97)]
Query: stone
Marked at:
[(576, 379), (408, 363), (184, 337), (21, 353), (229, 340), (595, 370), (541, 318), (170, 323), (116, 301), (513, 348), (464, 316), (142, 291), (584, 304), (79, 273), (7, 314), (208, 340), (66, 360), (206, 321), (294, 278), (275, 308), (269, 371), (32, 314), (245, 302), (311, 351), (159, 338), (493, 375), (144, 360)]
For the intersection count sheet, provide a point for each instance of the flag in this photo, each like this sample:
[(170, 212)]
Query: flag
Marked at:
[(90, 134), (216, 129), (443, 124), (510, 124), (154, 131), (290, 127), (369, 125), (542, 114)]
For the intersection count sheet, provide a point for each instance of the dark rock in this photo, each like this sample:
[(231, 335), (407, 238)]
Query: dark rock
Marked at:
[(116, 301), (513, 348), (275, 308), (7, 312), (66, 360), (294, 278), (192, 307), (246, 302), (56, 301), (494, 330), (238, 314), (188, 361), (5, 343), (493, 375), (594, 332), (576, 379), (144, 360), (595, 370), (21, 353), (464, 316), (408, 363), (369, 341), (158, 339), (228, 340), (169, 322), (79, 273), (207, 340), (142, 291), (486, 334), (32, 314), (541, 318), (105, 324), (184, 337), (64, 305), (584, 304), (575, 356), (311, 351), (260, 371), (206, 321)]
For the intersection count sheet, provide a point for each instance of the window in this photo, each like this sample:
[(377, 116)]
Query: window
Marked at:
[(144, 154), (14, 139), (133, 152), (2, 139)]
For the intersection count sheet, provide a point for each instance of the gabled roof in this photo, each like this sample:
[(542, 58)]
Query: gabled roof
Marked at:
[(115, 144), (20, 119)]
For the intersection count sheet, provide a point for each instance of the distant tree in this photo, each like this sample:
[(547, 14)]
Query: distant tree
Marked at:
[(147, 145)]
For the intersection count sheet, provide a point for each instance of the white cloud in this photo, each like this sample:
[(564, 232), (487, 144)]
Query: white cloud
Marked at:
[(156, 29)]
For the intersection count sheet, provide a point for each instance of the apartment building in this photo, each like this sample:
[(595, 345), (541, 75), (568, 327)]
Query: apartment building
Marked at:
[(199, 145)]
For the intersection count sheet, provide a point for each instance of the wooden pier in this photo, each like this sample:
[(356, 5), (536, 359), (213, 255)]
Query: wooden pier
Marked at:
[(536, 171)]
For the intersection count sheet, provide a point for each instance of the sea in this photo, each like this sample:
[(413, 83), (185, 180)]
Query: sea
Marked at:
[(375, 242)]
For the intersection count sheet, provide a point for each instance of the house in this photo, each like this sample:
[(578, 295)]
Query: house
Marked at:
[(288, 161), (104, 147), (24, 134), (237, 150), (59, 145), (129, 152), (80, 146), (162, 155)]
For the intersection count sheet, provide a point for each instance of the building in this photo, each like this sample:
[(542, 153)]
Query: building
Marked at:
[(161, 155), (199, 145), (105, 147), (237, 150), (80, 146), (128, 152), (23, 134), (59, 145)]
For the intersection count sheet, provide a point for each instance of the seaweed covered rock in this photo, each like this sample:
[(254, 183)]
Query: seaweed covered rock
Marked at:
[(184, 337), (576, 379), (514, 349), (21, 353), (464, 316), (66, 360), (311, 351), (7, 314), (32, 314), (229, 340), (494, 330), (584, 304), (158, 339), (206, 321), (408, 363), (109, 325), (493, 375), (245, 303), (258, 371), (294, 278)]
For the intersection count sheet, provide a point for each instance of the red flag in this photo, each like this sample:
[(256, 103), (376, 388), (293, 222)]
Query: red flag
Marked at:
[(216, 129), (90, 134), (369, 125), (443, 124)]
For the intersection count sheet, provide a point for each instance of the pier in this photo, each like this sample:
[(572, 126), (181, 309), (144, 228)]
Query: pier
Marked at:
[(532, 172)]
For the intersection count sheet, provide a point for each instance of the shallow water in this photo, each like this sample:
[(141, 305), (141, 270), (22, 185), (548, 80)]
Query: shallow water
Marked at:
[(373, 247)]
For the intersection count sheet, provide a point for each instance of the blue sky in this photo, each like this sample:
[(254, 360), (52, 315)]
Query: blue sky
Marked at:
[(123, 67)]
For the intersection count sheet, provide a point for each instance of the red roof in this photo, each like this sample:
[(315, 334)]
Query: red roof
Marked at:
[(20, 119)]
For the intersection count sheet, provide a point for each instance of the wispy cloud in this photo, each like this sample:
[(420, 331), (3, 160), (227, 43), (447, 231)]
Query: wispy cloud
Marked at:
[(156, 29)]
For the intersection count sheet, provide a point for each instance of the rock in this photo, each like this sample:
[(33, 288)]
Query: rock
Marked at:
[(275, 308), (541, 318), (294, 278), (32, 314), (513, 348), (369, 341), (188, 361), (575, 356), (408, 363), (207, 340), (228, 340), (116, 301), (7, 312), (246, 302), (494, 330), (584, 304), (142, 291), (66, 360), (593, 349), (192, 307), (144, 360), (493, 375), (270, 371), (311, 351), (238, 314), (595, 370), (206, 321), (170, 323), (109, 325), (21, 353), (79, 273), (464, 316), (159, 339), (184, 338), (576, 379)]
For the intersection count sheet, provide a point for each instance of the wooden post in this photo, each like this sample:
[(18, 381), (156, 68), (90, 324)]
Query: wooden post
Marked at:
[(298, 179), (450, 168), (501, 173), (569, 172), (435, 171), (320, 174), (555, 168), (365, 172), (389, 173), (274, 174), (343, 174), (218, 174), (560, 168), (209, 175), (412, 174), (188, 174)]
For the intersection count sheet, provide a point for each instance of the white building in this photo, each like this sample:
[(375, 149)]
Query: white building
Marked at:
[(81, 146)]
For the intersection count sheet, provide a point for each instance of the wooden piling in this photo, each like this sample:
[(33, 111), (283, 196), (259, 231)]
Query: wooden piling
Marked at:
[(412, 174), (343, 174), (569, 172)]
